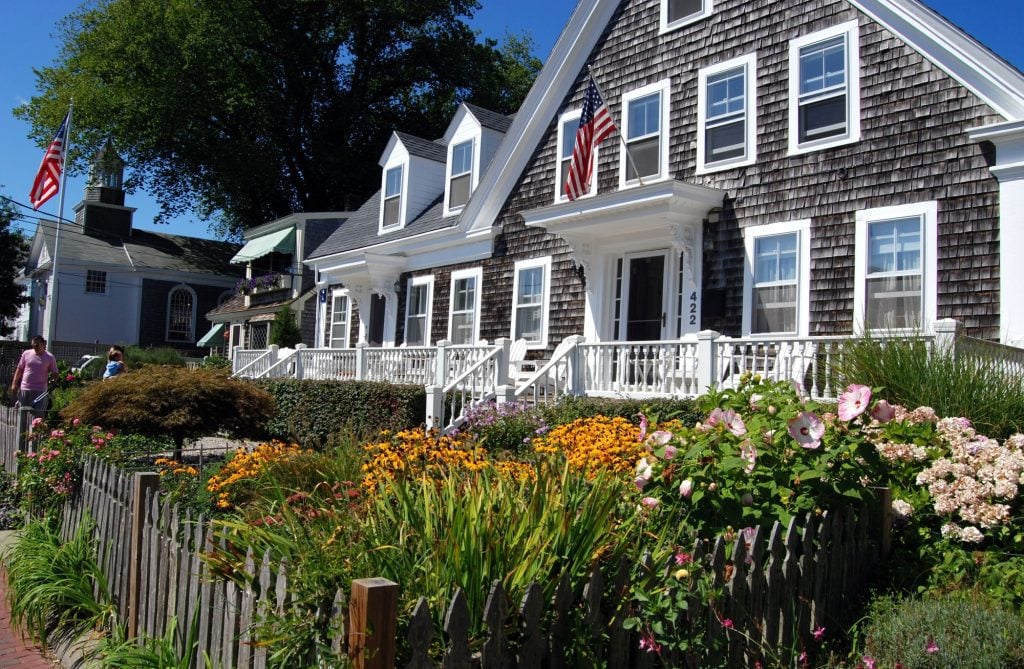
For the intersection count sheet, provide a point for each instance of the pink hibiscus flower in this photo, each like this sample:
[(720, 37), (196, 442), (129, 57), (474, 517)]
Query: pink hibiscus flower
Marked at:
[(729, 418), (883, 412), (807, 429), (854, 401)]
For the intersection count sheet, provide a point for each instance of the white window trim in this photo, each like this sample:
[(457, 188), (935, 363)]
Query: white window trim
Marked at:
[(474, 273), (929, 213), (167, 317), (336, 293), (560, 177), (749, 65), (473, 178), (106, 283), (427, 280), (663, 87), (851, 32), (665, 26), (802, 228), (403, 194), (521, 265)]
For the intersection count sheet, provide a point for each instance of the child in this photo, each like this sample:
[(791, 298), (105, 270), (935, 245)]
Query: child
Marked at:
[(115, 364)]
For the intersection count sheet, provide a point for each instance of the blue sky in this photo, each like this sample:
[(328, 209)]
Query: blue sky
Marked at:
[(28, 42)]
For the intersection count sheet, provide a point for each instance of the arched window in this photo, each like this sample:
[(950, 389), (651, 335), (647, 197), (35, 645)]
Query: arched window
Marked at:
[(181, 314)]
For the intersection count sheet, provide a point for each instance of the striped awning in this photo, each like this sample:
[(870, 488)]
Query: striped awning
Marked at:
[(282, 240)]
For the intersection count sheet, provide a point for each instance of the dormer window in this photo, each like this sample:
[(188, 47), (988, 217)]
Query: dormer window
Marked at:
[(678, 13), (392, 206), (460, 180)]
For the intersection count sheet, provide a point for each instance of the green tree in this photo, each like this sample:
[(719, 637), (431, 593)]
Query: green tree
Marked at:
[(283, 331), (248, 110), (13, 253)]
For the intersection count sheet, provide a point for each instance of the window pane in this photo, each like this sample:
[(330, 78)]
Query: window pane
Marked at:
[(464, 294), (569, 129), (726, 93), (823, 118), (775, 309), (894, 246), (823, 65), (462, 328), (393, 185), (458, 193), (179, 321), (646, 155), (392, 207), (725, 142), (95, 281), (680, 9), (418, 300), (531, 286), (644, 115), (528, 323), (462, 158), (414, 329), (894, 302)]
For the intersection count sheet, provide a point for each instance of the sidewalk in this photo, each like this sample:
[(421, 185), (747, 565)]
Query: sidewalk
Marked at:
[(15, 652)]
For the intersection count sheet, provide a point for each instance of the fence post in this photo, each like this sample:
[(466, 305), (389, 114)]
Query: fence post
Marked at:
[(576, 377), (435, 407), (707, 361), (372, 623), (298, 360), (144, 482), (441, 364), (946, 331), (361, 360), (24, 429)]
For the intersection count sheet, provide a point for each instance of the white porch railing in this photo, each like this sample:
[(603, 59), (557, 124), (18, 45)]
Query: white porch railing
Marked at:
[(458, 376)]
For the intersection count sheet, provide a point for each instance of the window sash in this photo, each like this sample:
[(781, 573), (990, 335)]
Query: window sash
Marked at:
[(823, 90), (95, 281), (530, 304), (392, 197), (458, 190), (682, 9), (775, 308), (645, 117), (893, 292), (463, 310), (339, 322), (776, 283), (416, 315)]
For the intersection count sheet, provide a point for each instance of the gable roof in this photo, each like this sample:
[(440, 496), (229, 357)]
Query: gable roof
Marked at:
[(490, 119), (142, 250), (423, 148)]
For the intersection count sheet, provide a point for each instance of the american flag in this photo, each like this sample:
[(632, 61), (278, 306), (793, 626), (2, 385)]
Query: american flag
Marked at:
[(47, 181), (595, 125)]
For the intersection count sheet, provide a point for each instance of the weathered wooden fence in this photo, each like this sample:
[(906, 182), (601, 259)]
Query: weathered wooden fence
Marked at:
[(14, 428), (776, 587)]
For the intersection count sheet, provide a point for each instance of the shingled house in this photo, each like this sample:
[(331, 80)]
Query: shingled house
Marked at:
[(798, 168), (118, 284)]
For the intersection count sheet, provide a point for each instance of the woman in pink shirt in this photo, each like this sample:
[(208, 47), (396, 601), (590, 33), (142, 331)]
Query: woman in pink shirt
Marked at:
[(32, 377)]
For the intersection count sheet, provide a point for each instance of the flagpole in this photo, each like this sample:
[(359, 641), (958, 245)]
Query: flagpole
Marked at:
[(622, 140), (51, 329)]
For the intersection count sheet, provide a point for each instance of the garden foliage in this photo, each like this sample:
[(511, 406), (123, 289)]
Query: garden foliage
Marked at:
[(310, 412)]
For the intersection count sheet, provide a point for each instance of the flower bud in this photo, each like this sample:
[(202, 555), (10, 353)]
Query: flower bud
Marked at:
[(748, 499), (682, 573)]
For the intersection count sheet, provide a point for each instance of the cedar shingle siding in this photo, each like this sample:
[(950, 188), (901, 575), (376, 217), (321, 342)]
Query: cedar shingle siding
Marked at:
[(913, 148)]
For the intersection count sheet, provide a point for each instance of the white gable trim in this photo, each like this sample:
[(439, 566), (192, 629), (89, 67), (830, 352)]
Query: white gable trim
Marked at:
[(986, 75)]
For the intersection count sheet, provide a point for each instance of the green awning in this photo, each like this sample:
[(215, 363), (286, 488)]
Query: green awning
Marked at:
[(282, 240), (213, 337)]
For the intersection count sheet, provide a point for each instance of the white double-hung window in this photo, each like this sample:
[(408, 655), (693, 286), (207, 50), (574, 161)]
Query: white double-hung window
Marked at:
[(645, 130), (895, 267), (727, 114), (776, 285), (463, 320), (391, 207), (460, 182), (417, 310), (341, 316), (530, 297), (824, 89)]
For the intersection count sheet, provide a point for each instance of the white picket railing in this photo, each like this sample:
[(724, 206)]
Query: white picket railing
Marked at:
[(483, 381)]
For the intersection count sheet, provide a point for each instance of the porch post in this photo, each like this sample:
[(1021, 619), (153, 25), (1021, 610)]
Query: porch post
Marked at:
[(361, 360), (576, 376), (503, 391), (298, 360), (946, 331), (435, 407), (707, 363), (441, 364)]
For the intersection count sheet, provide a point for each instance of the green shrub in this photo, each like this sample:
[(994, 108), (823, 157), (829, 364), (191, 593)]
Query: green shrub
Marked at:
[(947, 631), (310, 411), (570, 408), (136, 357), (215, 362), (177, 402), (52, 585), (903, 372), (284, 331)]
